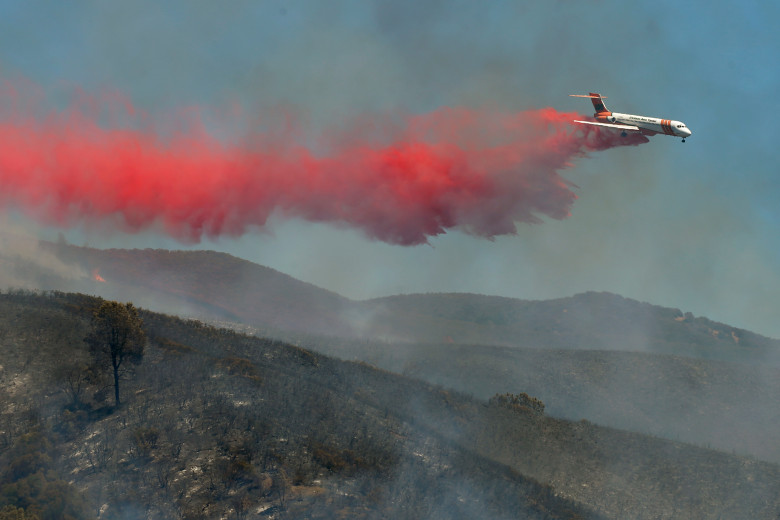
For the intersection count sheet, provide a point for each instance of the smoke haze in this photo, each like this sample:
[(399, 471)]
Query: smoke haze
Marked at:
[(26, 265)]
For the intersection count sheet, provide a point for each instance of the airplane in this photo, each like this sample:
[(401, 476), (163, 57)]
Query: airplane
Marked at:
[(631, 123)]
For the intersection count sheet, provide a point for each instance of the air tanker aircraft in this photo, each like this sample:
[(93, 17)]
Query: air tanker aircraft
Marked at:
[(632, 123)]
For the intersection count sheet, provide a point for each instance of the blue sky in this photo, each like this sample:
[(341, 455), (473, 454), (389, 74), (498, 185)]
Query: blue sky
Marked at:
[(691, 225)]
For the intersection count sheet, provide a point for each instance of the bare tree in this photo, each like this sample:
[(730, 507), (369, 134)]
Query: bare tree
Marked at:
[(117, 339), (74, 380)]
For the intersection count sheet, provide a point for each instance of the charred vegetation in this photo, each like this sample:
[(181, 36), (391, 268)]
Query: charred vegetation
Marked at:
[(217, 423)]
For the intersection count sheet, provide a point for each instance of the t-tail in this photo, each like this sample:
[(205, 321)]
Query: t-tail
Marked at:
[(598, 103)]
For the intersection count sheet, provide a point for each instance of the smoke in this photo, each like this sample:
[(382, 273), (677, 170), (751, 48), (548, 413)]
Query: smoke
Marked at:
[(24, 264), (398, 178)]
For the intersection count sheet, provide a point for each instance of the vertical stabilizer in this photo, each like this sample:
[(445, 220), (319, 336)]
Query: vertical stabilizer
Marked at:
[(598, 103)]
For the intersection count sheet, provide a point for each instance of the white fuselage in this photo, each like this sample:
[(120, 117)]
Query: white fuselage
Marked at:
[(647, 125)]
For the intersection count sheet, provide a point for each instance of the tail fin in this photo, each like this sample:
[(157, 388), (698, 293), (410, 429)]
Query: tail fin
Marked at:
[(598, 103), (597, 100)]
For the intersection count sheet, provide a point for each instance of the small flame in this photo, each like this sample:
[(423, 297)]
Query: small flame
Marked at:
[(96, 276)]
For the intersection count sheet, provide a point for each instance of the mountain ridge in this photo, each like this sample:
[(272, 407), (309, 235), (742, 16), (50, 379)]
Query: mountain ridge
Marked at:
[(207, 283)]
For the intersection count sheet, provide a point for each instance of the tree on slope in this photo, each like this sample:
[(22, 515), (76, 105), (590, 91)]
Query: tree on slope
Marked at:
[(116, 340)]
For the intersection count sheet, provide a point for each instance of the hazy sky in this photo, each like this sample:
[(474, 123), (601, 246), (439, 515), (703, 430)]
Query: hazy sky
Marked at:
[(691, 225)]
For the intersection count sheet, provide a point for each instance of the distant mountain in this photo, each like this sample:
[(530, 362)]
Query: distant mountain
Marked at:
[(217, 424), (218, 285), (589, 321)]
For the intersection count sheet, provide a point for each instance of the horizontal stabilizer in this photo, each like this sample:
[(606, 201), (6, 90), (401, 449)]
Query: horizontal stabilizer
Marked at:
[(627, 128), (591, 96)]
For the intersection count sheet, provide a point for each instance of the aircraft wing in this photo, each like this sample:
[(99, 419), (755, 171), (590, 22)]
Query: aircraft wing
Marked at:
[(627, 128)]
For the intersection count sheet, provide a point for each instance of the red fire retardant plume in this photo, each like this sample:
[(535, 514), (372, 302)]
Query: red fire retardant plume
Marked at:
[(399, 179)]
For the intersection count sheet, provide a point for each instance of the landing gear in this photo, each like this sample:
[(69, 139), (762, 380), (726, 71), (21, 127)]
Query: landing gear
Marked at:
[(683, 140), (624, 134)]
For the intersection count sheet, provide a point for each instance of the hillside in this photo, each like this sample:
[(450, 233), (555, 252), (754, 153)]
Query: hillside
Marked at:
[(594, 356), (724, 405), (216, 423), (219, 424)]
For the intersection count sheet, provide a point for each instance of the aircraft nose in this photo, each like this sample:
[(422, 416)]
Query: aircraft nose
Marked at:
[(686, 132)]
